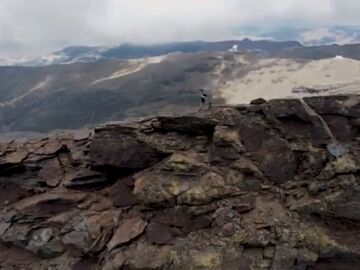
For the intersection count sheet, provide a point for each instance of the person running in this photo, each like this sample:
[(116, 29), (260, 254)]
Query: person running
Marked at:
[(204, 99)]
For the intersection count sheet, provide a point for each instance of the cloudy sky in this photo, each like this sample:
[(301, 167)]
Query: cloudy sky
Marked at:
[(30, 27)]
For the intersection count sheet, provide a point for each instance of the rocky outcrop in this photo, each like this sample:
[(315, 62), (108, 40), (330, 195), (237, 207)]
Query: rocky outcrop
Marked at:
[(272, 185)]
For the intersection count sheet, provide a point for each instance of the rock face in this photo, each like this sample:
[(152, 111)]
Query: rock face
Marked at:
[(271, 186)]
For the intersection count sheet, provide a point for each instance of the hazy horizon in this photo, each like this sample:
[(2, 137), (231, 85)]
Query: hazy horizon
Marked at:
[(30, 28)]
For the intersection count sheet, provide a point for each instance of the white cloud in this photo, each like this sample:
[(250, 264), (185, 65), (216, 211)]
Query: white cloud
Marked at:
[(35, 26)]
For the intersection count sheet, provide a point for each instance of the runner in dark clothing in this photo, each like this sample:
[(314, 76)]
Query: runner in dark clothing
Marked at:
[(204, 99)]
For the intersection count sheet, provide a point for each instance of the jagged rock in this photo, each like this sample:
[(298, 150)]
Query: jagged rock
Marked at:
[(52, 173), (287, 257), (341, 204), (85, 179), (115, 263), (13, 258), (210, 186), (85, 263), (267, 186), (45, 205), (12, 189), (159, 234), (228, 229), (340, 127), (178, 217), (227, 145), (170, 179), (175, 141), (117, 148), (181, 163), (122, 193), (288, 109), (14, 157), (186, 124), (243, 204), (40, 238), (44, 244), (52, 249), (258, 101), (89, 233), (141, 256), (336, 105), (12, 161), (128, 230), (342, 165), (274, 154), (51, 147)]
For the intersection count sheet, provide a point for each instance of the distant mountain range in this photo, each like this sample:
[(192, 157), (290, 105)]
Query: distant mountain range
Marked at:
[(285, 49), (339, 34), (267, 42), (76, 54)]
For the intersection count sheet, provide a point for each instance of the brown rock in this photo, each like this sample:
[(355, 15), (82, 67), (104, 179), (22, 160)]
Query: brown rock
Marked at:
[(52, 173), (258, 101), (45, 205), (340, 127), (244, 204), (187, 124), (122, 193), (115, 263), (274, 154), (85, 179), (228, 229), (143, 256), (159, 234), (226, 146), (178, 217), (128, 230), (117, 148), (12, 161), (335, 105), (13, 190), (210, 186), (51, 147)]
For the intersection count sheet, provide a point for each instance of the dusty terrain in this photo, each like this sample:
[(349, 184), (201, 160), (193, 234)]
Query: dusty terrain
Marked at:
[(283, 78), (271, 186)]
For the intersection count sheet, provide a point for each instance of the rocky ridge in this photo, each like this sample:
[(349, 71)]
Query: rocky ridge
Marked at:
[(273, 185)]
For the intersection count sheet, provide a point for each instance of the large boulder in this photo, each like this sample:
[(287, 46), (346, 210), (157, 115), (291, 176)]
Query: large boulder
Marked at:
[(117, 148)]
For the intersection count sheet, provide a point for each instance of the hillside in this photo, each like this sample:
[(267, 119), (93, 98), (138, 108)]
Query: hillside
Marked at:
[(72, 96), (269, 186), (282, 78), (322, 52), (43, 99)]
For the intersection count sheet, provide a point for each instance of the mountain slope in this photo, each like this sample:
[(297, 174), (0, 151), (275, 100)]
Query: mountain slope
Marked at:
[(314, 36), (323, 52), (70, 96)]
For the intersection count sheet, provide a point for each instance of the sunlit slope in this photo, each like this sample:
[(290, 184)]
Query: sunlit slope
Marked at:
[(279, 78)]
